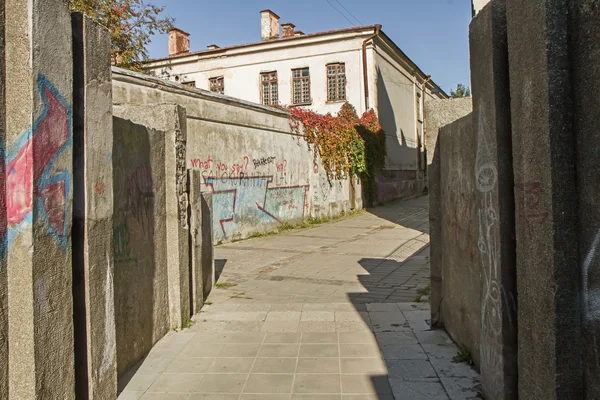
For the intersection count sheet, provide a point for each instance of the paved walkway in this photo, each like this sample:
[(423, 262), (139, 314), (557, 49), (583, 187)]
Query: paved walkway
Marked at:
[(322, 313)]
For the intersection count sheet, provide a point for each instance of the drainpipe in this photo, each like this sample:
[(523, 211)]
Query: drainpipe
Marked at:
[(422, 139), (364, 55)]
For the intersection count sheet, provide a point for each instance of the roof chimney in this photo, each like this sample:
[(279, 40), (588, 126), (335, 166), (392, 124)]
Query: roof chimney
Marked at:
[(269, 25), (179, 42), (288, 29), (299, 33), (213, 47)]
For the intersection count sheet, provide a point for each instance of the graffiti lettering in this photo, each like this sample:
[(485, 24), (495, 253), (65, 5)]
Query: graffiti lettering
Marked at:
[(281, 167), (209, 163), (140, 191), (260, 162), (100, 188), (33, 160), (203, 164)]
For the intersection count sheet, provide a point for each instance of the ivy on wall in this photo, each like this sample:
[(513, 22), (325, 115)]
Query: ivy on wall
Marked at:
[(349, 146)]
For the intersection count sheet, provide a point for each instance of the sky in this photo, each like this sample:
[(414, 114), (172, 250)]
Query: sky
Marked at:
[(433, 33)]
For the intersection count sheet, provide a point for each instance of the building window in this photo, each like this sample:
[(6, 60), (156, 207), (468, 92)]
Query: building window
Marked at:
[(336, 82), (191, 84), (269, 88), (301, 86), (217, 85)]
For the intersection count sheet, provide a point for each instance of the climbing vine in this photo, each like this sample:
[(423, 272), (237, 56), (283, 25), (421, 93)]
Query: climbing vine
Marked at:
[(349, 146)]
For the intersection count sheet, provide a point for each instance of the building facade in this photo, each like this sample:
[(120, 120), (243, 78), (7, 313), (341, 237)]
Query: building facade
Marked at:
[(320, 71)]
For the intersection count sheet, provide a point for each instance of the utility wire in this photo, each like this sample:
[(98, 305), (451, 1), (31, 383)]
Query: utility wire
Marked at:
[(348, 11), (341, 13)]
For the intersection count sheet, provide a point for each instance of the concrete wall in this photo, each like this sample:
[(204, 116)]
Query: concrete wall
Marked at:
[(440, 112), (140, 233), (260, 173), (459, 310), (3, 239)]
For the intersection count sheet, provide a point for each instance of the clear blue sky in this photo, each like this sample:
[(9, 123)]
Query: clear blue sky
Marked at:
[(433, 33)]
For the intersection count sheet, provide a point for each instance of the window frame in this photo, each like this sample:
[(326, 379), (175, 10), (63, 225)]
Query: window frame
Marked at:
[(216, 79), (269, 81), (300, 79), (189, 84), (337, 100)]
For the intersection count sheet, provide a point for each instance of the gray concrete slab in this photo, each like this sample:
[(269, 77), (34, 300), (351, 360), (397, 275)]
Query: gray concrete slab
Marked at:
[(290, 333)]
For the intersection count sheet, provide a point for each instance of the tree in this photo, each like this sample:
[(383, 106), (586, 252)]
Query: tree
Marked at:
[(461, 91), (131, 24)]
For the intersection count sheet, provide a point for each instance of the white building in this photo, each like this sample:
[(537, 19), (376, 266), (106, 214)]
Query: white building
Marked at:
[(321, 71)]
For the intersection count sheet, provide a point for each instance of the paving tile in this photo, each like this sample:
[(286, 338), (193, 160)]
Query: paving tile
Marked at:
[(366, 384), (371, 397), (189, 365), (318, 365), (165, 396), (352, 316), (283, 316), (382, 307), (208, 326), (280, 326), (404, 336), (433, 337), (154, 365), (316, 326), (130, 395), (363, 350), (372, 366), (286, 307), (411, 370), (317, 316), (209, 337), (319, 337), (231, 365), (262, 396), (140, 382), (283, 337), (245, 337), (418, 390), (244, 326), (279, 350), (316, 397), (403, 352), (317, 383), (351, 326), (254, 307), (275, 365), (239, 350), (269, 383), (357, 337), (221, 383), (462, 388), (213, 396), (319, 350), (182, 383)]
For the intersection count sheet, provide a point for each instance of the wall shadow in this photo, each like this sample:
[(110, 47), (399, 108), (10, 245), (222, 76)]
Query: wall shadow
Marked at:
[(412, 214), (219, 267), (140, 277)]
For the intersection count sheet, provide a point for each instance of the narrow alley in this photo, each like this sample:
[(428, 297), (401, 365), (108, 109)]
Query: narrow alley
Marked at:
[(320, 313)]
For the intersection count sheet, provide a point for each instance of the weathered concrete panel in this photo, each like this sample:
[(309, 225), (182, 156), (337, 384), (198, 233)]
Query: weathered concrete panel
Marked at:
[(208, 255), (495, 202), (245, 152), (170, 119), (548, 273), (585, 58), (461, 287), (94, 318), (39, 159), (140, 234)]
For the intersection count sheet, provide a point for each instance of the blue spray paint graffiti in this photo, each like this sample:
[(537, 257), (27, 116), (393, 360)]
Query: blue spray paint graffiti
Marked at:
[(250, 201)]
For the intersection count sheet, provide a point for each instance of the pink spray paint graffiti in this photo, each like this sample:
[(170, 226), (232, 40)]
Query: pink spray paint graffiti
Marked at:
[(37, 183)]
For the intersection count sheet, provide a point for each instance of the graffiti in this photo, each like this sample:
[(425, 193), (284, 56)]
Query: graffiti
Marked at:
[(209, 164), (261, 162), (250, 200), (41, 179), (121, 243), (281, 167), (140, 193), (530, 200), (100, 188)]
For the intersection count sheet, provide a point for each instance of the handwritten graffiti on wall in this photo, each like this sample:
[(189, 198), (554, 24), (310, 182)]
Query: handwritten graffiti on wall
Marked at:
[(32, 178), (140, 194), (250, 200), (121, 243), (208, 164), (260, 162)]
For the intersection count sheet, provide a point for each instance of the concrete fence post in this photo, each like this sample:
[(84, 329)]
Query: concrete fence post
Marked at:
[(208, 258), (495, 202), (548, 273), (195, 223), (39, 193), (93, 263)]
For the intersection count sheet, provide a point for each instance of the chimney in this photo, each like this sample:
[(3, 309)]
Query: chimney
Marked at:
[(179, 42), (269, 25), (288, 29), (213, 47), (299, 33)]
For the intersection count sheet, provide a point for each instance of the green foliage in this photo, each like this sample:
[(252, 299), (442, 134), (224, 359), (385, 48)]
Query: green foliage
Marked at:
[(225, 285), (461, 91), (131, 24), (463, 356)]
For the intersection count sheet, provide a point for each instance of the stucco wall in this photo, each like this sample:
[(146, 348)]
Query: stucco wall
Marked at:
[(260, 173)]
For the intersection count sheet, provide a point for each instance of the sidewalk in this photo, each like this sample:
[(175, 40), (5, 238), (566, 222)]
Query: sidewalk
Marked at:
[(322, 313)]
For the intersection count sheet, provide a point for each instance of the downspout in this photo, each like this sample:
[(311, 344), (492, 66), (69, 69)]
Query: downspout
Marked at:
[(365, 73), (422, 140)]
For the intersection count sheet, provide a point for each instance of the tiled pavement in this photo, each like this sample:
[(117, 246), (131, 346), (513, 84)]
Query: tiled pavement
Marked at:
[(322, 313)]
